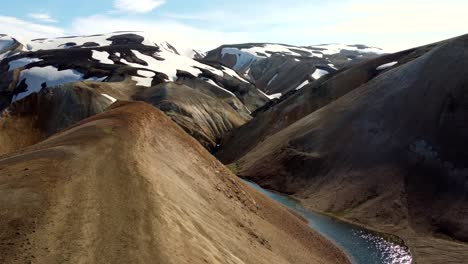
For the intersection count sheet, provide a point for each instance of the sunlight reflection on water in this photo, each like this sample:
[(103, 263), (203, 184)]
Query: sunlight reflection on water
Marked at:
[(391, 253), (361, 245)]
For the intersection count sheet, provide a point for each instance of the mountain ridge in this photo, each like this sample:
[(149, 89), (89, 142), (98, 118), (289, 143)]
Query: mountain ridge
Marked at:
[(107, 190), (280, 68)]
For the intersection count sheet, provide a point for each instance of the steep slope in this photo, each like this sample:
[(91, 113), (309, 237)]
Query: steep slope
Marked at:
[(108, 191), (204, 117), (295, 105), (278, 68), (390, 154), (47, 112), (123, 65)]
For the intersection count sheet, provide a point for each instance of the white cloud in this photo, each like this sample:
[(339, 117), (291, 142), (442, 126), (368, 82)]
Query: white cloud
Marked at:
[(426, 20), (42, 17), (396, 24), (178, 34), (137, 6), (390, 24), (24, 30)]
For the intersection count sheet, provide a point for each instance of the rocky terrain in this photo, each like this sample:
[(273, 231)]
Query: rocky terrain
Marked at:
[(47, 112), (108, 190), (277, 68), (124, 65), (382, 143), (206, 118)]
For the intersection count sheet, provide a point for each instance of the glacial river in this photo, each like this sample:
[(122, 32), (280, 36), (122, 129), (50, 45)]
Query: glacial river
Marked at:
[(361, 245)]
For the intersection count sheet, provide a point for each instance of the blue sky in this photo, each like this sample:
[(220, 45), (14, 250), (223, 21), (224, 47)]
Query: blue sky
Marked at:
[(204, 24)]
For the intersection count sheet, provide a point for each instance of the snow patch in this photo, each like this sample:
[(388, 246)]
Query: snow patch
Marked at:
[(243, 59), (110, 98), (168, 47), (266, 50), (234, 74), (318, 73), (330, 49), (317, 54), (96, 79), (146, 80), (386, 65), (146, 73), (306, 82), (216, 85), (6, 42), (142, 81), (171, 63), (191, 53), (275, 96), (102, 57), (15, 64), (271, 96), (246, 56), (64, 42), (247, 74), (50, 75)]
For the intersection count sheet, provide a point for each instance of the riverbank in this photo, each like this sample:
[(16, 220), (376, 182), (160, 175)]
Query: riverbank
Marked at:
[(362, 245), (424, 249)]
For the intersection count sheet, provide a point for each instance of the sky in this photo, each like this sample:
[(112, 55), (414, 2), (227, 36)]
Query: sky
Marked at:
[(392, 25)]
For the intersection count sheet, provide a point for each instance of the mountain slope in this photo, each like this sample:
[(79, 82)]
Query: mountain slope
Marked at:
[(124, 64), (295, 105), (278, 68), (204, 117), (29, 121), (108, 191), (107, 57), (390, 154)]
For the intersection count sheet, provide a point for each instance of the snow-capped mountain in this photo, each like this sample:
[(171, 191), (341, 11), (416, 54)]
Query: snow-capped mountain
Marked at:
[(279, 68), (75, 74), (110, 57)]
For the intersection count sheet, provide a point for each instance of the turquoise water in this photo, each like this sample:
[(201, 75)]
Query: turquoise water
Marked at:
[(361, 245)]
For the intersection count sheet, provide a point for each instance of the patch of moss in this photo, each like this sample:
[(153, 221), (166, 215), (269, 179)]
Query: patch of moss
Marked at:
[(234, 168), (108, 130), (341, 213)]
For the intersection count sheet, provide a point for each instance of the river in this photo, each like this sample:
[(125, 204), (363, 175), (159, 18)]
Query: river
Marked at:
[(361, 245)]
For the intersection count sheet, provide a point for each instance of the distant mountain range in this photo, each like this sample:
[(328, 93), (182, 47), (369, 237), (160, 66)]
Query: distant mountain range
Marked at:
[(278, 69), (138, 61)]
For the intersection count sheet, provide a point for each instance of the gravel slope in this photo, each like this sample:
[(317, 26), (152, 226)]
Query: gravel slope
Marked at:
[(129, 186)]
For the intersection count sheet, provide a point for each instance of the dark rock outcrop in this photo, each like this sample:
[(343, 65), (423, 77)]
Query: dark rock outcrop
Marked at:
[(206, 118), (43, 114)]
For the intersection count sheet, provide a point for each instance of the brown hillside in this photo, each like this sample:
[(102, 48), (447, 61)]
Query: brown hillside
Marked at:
[(129, 186)]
